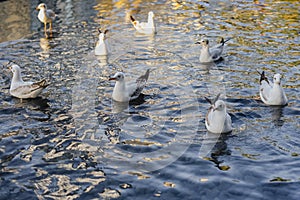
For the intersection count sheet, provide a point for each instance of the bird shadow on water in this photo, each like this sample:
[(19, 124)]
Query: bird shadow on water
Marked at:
[(36, 103)]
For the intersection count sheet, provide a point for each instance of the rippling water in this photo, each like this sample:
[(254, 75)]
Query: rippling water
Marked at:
[(74, 142)]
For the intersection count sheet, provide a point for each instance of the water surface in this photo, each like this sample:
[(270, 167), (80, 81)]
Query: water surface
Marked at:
[(74, 142)]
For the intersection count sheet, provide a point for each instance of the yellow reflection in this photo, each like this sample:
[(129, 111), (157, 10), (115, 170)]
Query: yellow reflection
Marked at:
[(15, 19), (138, 142), (110, 194), (64, 187), (169, 184), (203, 179), (156, 159), (138, 174), (45, 45)]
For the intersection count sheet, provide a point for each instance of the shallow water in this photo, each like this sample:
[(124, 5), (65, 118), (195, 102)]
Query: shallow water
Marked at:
[(74, 142)]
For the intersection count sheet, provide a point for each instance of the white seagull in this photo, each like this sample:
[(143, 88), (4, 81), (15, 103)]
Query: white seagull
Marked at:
[(217, 119), (143, 27), (46, 16), (211, 54), (125, 92), (271, 93), (101, 46), (24, 90)]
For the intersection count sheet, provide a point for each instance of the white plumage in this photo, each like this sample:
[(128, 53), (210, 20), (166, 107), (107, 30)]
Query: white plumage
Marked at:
[(145, 27), (101, 46), (272, 93), (217, 119), (125, 92), (212, 54), (24, 90)]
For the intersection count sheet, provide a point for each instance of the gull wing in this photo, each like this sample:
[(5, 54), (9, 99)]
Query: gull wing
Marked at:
[(140, 84), (29, 88), (207, 114), (217, 50), (51, 14), (211, 102), (265, 86)]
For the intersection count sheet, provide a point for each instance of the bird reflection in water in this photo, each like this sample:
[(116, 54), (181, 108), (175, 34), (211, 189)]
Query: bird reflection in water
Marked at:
[(215, 146), (46, 45), (277, 114), (121, 113), (102, 60)]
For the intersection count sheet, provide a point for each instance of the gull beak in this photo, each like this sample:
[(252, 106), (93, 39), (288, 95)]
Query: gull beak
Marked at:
[(9, 66), (198, 43), (112, 78), (37, 8)]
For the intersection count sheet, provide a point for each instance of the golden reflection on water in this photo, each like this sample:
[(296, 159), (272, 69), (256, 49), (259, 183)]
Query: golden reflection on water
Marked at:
[(63, 188), (264, 18), (15, 19)]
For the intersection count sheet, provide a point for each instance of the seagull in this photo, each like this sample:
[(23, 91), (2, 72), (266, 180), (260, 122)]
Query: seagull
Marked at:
[(145, 28), (217, 119), (24, 90), (211, 54), (101, 49), (125, 92), (46, 16), (271, 93)]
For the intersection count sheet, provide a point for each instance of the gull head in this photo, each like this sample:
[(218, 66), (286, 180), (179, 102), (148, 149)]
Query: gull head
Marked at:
[(151, 14), (119, 76), (102, 34), (203, 42), (219, 105), (41, 6), (15, 68), (277, 78)]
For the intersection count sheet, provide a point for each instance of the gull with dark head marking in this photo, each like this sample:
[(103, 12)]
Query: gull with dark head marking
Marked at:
[(217, 119), (24, 90), (125, 92), (272, 93), (212, 54), (101, 46), (143, 27), (46, 16)]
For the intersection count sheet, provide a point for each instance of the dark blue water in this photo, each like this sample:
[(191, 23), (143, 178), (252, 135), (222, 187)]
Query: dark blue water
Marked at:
[(74, 142)]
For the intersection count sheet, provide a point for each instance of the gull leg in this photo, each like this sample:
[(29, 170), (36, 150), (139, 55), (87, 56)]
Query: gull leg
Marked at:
[(45, 30), (50, 29)]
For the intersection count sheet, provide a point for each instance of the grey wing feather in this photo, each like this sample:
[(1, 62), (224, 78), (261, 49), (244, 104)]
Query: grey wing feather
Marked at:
[(51, 14), (27, 89), (206, 117), (212, 101), (208, 100), (216, 99), (263, 94), (141, 82)]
